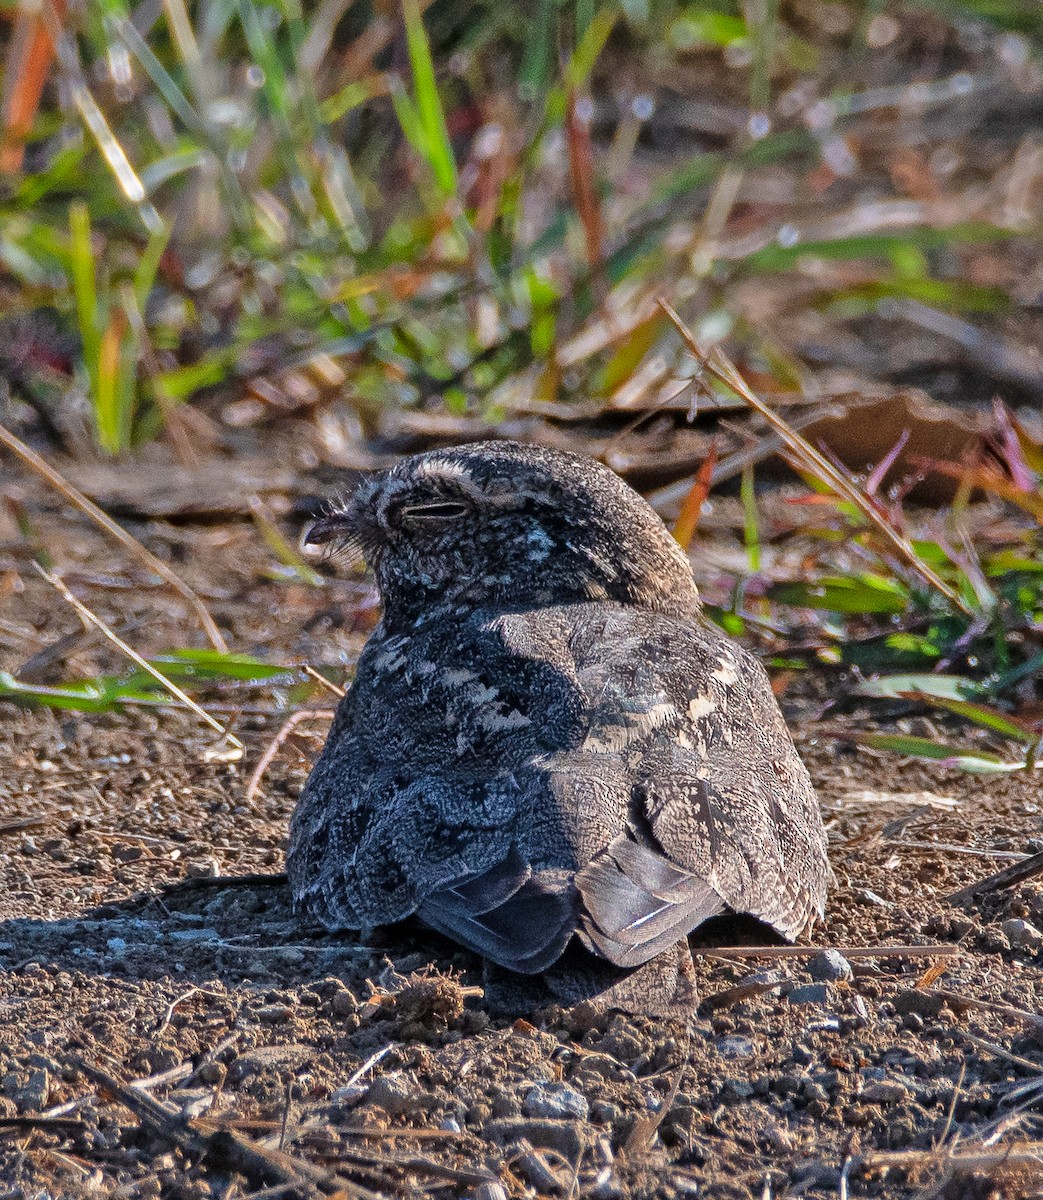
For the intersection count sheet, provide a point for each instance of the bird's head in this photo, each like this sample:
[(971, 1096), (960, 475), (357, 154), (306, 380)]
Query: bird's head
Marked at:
[(499, 523)]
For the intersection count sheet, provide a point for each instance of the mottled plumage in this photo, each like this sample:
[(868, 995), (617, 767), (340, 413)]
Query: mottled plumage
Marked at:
[(547, 755)]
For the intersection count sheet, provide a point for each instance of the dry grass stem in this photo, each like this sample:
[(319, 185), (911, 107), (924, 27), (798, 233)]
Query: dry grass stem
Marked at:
[(321, 679), (136, 658), (275, 745), (731, 952), (724, 371), (104, 521), (1019, 872), (956, 1002)]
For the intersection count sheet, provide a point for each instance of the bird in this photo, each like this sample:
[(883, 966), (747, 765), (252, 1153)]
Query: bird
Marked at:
[(548, 753)]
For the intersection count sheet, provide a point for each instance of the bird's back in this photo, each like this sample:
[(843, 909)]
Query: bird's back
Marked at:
[(518, 777)]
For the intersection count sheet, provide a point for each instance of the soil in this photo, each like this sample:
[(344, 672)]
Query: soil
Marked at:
[(146, 936)]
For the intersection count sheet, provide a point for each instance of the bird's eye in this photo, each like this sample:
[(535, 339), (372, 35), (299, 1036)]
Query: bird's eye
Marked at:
[(436, 510)]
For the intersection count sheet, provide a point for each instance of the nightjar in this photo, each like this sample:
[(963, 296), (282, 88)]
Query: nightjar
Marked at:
[(547, 754)]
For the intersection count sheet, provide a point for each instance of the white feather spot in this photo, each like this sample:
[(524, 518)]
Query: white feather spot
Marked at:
[(700, 706), (458, 678), (726, 673), (503, 721)]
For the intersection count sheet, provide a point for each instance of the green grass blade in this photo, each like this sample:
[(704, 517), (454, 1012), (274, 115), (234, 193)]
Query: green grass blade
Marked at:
[(988, 718), (205, 664), (750, 521), (539, 51), (84, 285), (148, 266), (428, 102), (973, 761), (899, 687), (857, 594)]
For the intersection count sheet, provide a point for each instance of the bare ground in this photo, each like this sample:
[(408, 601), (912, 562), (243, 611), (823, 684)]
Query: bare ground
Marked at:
[(301, 1063)]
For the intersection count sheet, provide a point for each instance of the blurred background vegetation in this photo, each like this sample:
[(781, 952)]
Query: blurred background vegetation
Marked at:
[(261, 210), (316, 235)]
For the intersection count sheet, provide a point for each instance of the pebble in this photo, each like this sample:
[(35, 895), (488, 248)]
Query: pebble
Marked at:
[(202, 868), (809, 993), (885, 1091), (344, 1004), (212, 1073), (392, 1093), (1022, 935), (914, 1001), (28, 1090), (274, 1014), (556, 1101), (735, 1046), (736, 1089), (829, 966), (350, 1094)]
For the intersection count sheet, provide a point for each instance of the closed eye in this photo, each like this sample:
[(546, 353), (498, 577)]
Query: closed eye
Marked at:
[(438, 510)]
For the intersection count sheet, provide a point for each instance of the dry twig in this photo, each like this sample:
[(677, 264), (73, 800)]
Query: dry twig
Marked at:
[(727, 952), (718, 365), (104, 521), (1016, 873), (222, 1146), (136, 658), (957, 1002), (277, 742)]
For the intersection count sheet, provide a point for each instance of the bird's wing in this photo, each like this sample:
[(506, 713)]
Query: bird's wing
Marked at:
[(422, 801), (598, 769), (519, 920), (721, 815)]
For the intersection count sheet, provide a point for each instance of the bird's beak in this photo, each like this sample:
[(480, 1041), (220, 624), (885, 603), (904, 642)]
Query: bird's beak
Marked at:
[(348, 529), (331, 528)]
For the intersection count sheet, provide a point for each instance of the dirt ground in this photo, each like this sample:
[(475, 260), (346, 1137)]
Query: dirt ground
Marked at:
[(269, 1059)]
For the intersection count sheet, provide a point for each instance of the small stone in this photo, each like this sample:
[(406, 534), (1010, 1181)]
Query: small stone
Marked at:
[(809, 993), (344, 1004), (1022, 935), (212, 1073), (604, 1112), (274, 1014), (202, 868), (603, 1066), (392, 1094), (555, 1101), (736, 1089), (735, 1046), (789, 1083), (922, 1003), (885, 1091), (31, 1091), (349, 1095), (801, 1054), (829, 966)]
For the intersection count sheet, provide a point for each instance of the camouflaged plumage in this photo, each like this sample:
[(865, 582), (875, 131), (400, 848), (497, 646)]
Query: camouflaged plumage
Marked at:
[(547, 755)]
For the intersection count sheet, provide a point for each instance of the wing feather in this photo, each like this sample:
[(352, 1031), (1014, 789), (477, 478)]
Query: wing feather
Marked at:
[(636, 903), (519, 920)]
